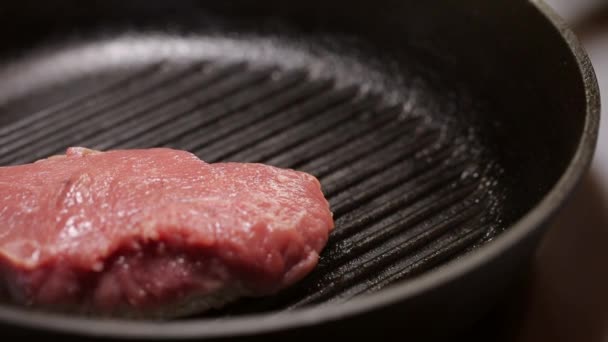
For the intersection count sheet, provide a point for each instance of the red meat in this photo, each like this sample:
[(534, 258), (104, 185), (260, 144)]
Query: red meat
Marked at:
[(154, 232)]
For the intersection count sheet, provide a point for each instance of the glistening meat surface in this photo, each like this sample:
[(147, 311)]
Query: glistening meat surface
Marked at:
[(154, 232)]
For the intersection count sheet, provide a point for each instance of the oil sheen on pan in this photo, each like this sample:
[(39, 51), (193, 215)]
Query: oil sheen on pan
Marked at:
[(154, 232)]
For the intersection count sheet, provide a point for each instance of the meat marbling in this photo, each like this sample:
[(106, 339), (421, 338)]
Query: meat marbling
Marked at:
[(154, 232)]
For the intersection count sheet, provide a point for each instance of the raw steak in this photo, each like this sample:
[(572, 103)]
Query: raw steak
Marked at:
[(154, 232)]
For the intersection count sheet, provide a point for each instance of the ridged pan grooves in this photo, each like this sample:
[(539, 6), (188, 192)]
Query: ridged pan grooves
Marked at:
[(406, 195)]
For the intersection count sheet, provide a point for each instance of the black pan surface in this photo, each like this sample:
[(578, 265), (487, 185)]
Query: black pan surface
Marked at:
[(411, 151), (408, 190)]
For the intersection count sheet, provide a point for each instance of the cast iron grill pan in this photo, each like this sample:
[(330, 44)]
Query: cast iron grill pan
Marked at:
[(410, 189)]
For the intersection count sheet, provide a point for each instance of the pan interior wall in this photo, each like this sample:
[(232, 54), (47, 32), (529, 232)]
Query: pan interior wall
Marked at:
[(411, 185)]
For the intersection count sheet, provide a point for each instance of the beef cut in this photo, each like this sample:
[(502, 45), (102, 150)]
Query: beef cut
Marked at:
[(154, 232)]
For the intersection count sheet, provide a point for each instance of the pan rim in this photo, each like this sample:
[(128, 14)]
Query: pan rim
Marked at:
[(530, 223)]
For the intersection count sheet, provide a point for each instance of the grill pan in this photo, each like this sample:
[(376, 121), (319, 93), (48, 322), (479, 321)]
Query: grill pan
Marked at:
[(443, 140)]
